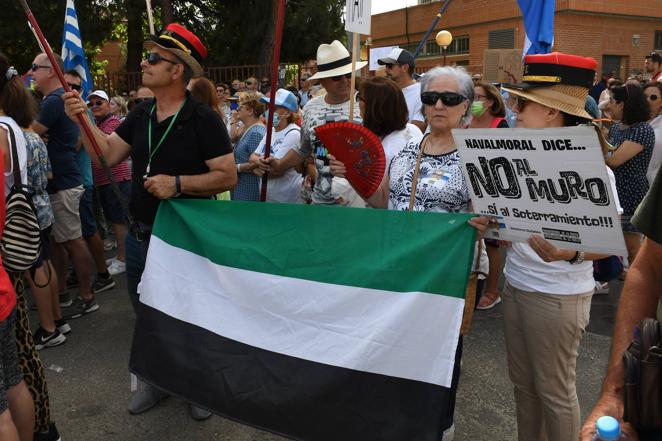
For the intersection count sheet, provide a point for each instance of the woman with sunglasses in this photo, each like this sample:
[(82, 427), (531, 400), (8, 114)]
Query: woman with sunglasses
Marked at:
[(634, 138), (653, 94), (446, 94)]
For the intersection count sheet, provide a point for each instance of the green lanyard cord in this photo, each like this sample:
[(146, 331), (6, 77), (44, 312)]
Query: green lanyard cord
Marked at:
[(163, 137)]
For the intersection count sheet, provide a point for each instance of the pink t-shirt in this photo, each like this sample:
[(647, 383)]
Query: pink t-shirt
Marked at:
[(121, 172)]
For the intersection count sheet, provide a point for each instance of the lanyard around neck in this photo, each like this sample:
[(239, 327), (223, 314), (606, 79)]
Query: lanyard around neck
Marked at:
[(165, 134)]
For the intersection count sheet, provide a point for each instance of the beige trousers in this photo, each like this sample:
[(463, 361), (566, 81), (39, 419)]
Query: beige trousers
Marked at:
[(543, 332)]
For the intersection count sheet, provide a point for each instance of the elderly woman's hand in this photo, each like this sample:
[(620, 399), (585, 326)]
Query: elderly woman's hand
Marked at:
[(547, 251), (337, 168), (481, 224)]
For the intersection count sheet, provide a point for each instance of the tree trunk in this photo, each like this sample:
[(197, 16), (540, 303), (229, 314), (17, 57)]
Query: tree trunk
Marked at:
[(167, 16), (267, 46), (134, 44)]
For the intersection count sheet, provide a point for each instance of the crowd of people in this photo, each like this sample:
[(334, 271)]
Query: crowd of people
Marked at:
[(79, 201)]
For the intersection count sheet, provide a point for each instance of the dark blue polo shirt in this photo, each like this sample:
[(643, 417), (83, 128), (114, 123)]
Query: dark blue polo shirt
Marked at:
[(63, 136)]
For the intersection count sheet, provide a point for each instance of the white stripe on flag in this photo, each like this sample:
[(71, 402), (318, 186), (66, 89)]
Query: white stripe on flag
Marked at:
[(406, 335), (71, 38), (73, 21)]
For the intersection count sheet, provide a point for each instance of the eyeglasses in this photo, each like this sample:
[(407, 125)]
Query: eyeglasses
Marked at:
[(36, 67), (95, 103), (517, 103), (340, 77), (652, 97), (75, 86), (481, 97), (451, 99), (154, 58)]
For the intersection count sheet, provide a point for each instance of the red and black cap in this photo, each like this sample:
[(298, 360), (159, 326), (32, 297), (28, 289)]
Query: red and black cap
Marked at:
[(544, 70), (183, 43)]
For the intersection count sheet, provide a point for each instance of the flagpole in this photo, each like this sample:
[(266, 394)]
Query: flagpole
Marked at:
[(274, 86), (431, 28), (150, 17), (43, 43), (352, 84)]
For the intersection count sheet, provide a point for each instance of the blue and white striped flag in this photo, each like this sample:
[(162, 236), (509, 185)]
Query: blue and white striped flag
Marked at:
[(538, 25), (73, 53)]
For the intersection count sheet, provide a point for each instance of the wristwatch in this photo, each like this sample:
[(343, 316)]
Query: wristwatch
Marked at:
[(577, 259), (178, 186)]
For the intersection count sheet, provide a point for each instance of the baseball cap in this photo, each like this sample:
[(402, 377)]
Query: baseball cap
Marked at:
[(98, 93), (657, 58), (284, 98), (398, 56)]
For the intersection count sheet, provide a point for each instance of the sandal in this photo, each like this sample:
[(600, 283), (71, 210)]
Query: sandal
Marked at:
[(490, 301)]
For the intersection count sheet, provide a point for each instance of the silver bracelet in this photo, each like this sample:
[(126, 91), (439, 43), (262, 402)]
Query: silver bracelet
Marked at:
[(238, 168)]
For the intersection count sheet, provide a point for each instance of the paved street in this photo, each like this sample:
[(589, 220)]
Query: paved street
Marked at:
[(89, 382)]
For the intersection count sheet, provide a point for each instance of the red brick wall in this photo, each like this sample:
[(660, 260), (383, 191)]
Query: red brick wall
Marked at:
[(584, 27)]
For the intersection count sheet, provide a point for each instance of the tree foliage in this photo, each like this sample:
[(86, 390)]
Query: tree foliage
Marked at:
[(235, 32)]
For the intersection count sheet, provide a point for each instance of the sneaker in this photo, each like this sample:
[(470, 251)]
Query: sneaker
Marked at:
[(102, 284), (63, 326), (65, 300), (42, 339), (72, 280), (601, 288), (198, 413), (117, 267), (83, 306), (110, 261), (109, 244), (145, 398)]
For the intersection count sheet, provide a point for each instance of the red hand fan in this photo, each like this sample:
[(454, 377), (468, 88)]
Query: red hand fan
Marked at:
[(360, 150)]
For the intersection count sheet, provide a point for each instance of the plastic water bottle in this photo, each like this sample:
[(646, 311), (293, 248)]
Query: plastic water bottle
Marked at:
[(608, 429)]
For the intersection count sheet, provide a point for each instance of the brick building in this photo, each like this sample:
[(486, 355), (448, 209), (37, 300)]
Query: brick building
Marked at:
[(488, 35)]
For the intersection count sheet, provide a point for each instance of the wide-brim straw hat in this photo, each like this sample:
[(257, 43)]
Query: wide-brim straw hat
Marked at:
[(182, 43), (333, 60), (557, 80)]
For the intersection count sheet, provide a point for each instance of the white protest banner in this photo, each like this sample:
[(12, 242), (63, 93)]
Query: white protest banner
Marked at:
[(551, 182), (357, 16), (377, 53)]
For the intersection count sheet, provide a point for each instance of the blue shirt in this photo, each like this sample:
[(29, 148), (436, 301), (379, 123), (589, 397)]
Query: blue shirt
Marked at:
[(62, 140)]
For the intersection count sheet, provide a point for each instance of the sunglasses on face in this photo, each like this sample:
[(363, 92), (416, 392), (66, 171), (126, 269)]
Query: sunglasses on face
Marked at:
[(450, 99), (94, 103), (517, 103), (36, 67), (75, 86), (340, 77), (652, 97), (155, 58)]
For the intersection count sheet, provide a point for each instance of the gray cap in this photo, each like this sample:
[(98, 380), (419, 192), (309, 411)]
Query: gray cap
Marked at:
[(398, 56)]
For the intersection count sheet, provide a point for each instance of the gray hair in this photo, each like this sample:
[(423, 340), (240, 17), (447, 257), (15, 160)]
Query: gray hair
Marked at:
[(464, 81)]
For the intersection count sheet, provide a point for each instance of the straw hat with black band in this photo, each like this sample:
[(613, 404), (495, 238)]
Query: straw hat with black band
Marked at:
[(333, 60), (556, 80), (182, 43)]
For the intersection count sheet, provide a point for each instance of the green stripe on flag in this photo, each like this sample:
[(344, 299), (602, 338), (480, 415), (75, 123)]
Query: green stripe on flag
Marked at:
[(379, 249)]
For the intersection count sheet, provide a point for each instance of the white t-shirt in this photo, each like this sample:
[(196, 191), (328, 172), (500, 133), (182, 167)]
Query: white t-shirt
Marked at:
[(285, 188), (20, 149), (394, 142), (525, 270), (656, 158), (413, 97)]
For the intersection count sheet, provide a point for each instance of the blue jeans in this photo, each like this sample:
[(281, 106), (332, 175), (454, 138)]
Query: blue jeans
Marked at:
[(136, 256)]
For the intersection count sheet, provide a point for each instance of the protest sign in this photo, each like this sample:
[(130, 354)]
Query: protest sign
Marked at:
[(357, 16), (377, 53), (551, 182)]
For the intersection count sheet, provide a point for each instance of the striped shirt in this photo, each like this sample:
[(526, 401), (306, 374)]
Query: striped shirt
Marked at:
[(121, 172)]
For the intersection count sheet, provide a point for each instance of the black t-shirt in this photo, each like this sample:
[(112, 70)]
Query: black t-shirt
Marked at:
[(197, 135)]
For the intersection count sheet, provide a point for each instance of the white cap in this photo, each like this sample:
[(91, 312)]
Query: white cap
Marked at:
[(98, 93)]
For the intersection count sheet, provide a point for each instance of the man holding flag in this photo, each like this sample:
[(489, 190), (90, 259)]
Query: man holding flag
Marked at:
[(73, 53), (179, 148)]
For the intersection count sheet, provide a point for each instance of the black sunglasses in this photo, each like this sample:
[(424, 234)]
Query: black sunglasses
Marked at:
[(36, 67), (94, 103), (517, 103), (340, 77), (652, 97), (75, 86), (447, 98), (154, 58)]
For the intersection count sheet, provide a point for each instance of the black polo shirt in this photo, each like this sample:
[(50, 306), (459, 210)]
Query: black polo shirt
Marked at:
[(197, 135)]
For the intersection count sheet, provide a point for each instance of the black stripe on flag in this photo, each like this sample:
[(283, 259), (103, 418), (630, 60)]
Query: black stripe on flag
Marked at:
[(285, 395)]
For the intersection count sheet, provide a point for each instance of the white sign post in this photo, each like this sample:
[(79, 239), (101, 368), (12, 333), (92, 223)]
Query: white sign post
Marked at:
[(550, 182)]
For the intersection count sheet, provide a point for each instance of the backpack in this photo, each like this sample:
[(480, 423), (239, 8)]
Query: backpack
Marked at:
[(21, 241)]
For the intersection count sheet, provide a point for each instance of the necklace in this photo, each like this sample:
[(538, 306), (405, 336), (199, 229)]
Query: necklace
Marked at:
[(163, 137)]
